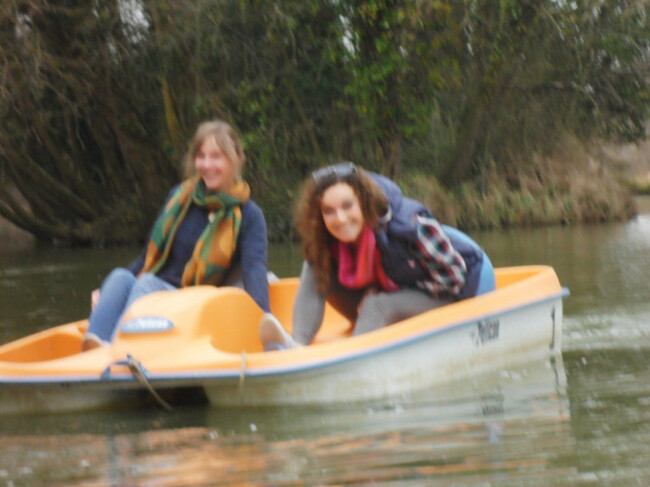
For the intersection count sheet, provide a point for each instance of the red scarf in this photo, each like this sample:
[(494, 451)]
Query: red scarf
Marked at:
[(360, 263)]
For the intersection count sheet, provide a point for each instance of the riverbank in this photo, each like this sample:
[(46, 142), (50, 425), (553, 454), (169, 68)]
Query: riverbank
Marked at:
[(13, 238), (643, 204), (575, 185)]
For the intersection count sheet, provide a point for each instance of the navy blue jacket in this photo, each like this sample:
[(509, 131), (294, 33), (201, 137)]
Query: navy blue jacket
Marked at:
[(397, 241)]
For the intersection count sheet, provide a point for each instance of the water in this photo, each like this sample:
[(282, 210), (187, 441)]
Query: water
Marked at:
[(580, 420)]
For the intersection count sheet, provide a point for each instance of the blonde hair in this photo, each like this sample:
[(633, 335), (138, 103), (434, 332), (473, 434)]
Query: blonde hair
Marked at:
[(226, 138), (309, 223)]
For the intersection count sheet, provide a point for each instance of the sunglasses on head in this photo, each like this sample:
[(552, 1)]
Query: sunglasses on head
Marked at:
[(340, 170)]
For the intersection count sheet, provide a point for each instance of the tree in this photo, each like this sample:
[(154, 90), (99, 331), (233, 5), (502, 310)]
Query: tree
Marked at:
[(98, 100), (75, 127), (540, 69)]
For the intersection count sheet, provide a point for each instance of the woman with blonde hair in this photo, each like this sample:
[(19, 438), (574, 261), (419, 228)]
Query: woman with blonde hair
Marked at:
[(209, 231), (374, 255)]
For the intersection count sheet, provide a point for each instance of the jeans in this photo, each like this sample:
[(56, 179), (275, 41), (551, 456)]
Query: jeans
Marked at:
[(119, 290), (487, 280)]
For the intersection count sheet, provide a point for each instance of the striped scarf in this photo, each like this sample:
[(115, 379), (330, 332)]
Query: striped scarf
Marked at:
[(214, 249)]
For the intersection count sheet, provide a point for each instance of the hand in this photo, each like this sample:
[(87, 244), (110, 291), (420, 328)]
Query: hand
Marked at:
[(94, 298)]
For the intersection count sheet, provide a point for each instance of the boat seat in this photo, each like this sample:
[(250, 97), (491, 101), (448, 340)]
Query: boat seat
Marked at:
[(228, 316)]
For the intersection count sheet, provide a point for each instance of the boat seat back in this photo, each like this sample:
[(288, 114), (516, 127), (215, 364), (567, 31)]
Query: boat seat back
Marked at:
[(226, 316)]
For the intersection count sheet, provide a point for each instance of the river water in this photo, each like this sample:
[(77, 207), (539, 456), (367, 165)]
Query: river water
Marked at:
[(580, 420)]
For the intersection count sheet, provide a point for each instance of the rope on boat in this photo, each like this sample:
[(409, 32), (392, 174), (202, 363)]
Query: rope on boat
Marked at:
[(138, 372), (242, 376), (140, 375)]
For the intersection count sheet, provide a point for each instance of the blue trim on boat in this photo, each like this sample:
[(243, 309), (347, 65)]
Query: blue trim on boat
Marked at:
[(197, 376)]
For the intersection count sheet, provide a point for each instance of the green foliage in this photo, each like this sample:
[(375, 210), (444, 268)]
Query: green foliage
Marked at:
[(98, 103)]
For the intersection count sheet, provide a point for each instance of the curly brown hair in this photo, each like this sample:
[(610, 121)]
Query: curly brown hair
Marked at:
[(308, 218)]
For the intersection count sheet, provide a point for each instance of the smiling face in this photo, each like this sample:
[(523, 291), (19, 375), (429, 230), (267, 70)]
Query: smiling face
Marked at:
[(215, 168), (342, 212)]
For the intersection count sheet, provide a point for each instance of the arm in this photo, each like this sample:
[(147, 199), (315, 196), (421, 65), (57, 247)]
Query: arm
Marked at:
[(253, 249), (446, 266), (308, 307)]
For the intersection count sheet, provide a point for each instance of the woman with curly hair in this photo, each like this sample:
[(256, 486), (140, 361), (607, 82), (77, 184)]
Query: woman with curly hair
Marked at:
[(209, 231), (376, 256)]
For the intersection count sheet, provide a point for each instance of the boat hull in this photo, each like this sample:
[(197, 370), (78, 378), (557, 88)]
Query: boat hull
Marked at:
[(400, 369), (174, 343)]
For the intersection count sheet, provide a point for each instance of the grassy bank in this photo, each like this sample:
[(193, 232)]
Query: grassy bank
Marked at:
[(13, 238), (573, 186), (641, 184)]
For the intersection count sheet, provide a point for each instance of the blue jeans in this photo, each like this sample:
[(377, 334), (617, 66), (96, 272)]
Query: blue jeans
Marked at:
[(119, 290), (487, 281)]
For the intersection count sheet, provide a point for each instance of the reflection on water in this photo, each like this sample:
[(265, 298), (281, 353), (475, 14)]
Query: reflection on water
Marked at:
[(606, 268), (519, 427), (609, 393), (581, 420), (478, 430), (46, 287)]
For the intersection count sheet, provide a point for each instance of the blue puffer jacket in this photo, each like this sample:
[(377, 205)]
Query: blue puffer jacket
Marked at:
[(396, 240)]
